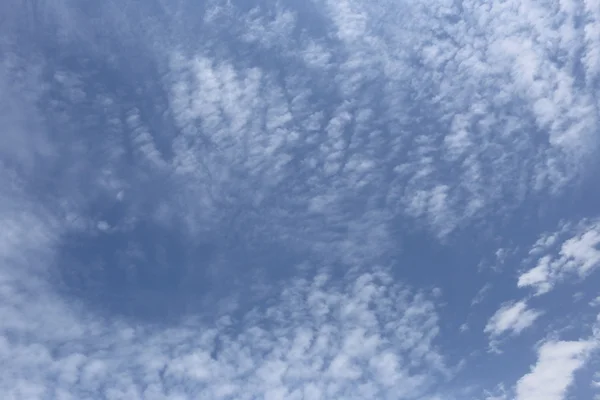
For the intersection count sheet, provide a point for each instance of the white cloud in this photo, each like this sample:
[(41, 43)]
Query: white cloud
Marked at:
[(511, 318), (494, 85), (315, 136), (553, 373), (361, 336), (478, 73), (488, 90), (570, 251)]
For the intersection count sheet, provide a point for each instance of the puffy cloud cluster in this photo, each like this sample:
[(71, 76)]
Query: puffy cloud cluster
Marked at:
[(353, 336), (267, 140)]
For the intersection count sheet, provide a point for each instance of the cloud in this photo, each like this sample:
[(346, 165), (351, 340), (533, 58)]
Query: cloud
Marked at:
[(356, 336), (499, 393), (480, 296), (268, 140), (575, 251), (217, 174), (553, 373), (487, 77), (471, 106), (385, 105), (511, 318), (495, 50)]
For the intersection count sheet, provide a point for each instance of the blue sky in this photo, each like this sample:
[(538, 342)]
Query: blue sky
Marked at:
[(340, 199)]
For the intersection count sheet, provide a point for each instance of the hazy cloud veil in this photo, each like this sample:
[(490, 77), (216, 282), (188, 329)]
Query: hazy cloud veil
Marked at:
[(299, 200)]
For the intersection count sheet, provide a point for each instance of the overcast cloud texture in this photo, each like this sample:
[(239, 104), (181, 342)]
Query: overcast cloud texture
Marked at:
[(323, 199)]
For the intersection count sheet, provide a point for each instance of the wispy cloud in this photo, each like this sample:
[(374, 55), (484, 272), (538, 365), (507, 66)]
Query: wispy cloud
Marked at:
[(480, 296), (499, 393), (486, 90)]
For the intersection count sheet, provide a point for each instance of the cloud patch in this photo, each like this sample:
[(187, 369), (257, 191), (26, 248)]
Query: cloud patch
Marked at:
[(553, 373), (573, 250), (511, 318), (275, 146), (357, 336)]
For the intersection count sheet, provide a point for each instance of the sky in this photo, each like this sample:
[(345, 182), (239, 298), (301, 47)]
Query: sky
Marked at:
[(321, 199)]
